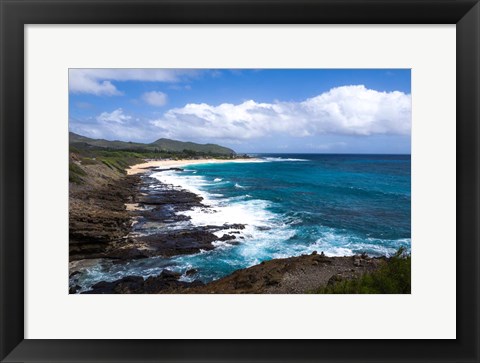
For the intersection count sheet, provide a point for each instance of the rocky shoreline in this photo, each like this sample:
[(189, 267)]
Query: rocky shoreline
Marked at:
[(126, 217), (129, 217), (293, 275), (157, 229)]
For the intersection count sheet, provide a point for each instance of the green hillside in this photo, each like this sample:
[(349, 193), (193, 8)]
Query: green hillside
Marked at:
[(161, 145)]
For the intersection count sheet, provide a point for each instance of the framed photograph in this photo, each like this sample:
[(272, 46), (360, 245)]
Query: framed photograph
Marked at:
[(240, 181), (309, 195)]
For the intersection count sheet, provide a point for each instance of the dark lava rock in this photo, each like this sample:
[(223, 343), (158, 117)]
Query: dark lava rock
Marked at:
[(98, 218), (263, 228), (74, 273), (167, 169), (178, 242), (234, 226), (73, 289), (167, 274), (166, 282), (226, 237), (191, 272), (125, 285), (127, 253)]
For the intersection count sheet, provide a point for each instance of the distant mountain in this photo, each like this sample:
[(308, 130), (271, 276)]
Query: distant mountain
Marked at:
[(83, 142)]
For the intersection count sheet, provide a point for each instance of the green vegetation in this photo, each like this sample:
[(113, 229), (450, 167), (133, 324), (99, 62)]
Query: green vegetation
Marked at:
[(394, 277), (115, 160), (119, 155), (156, 147), (75, 173)]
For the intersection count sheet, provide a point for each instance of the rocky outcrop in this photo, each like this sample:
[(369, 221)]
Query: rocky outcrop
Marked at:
[(294, 275), (129, 217), (166, 282), (156, 230), (98, 218)]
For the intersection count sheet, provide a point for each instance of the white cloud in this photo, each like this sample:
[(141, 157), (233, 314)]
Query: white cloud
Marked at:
[(344, 111), (115, 116), (80, 82), (124, 132), (347, 110), (155, 98), (98, 81)]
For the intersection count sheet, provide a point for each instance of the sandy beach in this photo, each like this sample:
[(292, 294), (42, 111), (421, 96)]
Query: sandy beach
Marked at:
[(143, 167)]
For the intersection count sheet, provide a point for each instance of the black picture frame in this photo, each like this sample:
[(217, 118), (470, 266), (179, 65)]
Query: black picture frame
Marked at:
[(17, 13)]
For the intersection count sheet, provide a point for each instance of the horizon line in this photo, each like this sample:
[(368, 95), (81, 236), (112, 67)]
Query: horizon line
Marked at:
[(324, 153), (252, 152)]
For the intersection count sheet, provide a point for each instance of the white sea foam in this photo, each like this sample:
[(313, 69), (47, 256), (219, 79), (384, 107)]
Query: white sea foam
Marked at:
[(217, 179), (253, 214), (334, 244), (263, 228), (248, 212), (191, 183), (277, 159)]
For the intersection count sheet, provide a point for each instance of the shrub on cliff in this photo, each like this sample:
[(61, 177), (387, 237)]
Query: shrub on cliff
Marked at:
[(394, 277), (75, 173)]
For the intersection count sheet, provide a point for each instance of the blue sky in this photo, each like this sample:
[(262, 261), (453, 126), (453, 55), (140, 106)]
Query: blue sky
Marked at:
[(269, 110)]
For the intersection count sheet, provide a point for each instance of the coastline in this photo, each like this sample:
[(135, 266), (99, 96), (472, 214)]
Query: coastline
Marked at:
[(145, 205), (146, 166), (136, 209), (304, 274)]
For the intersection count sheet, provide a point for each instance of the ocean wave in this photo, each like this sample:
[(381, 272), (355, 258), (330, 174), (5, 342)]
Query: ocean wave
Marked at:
[(277, 159), (93, 271), (261, 225), (335, 244), (238, 198), (251, 213), (191, 183)]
